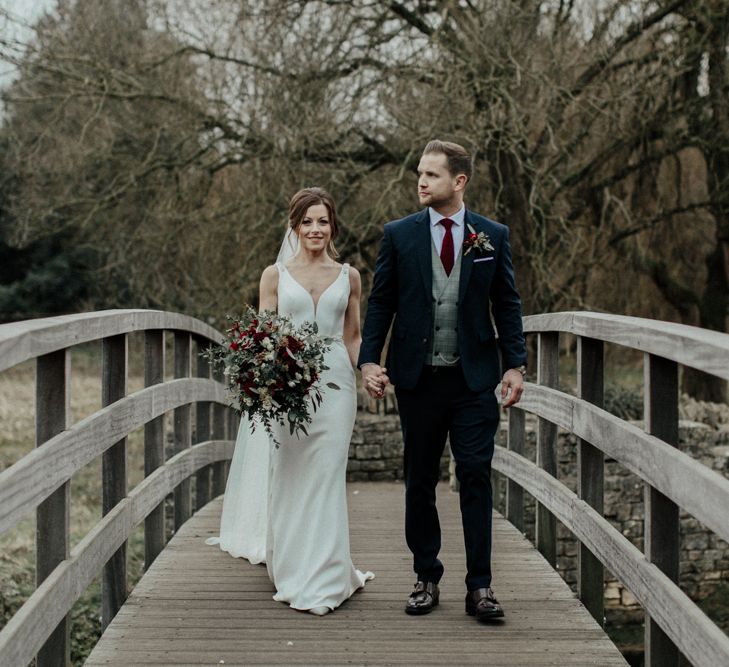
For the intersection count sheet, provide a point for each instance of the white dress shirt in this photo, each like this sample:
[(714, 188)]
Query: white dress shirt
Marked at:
[(437, 231)]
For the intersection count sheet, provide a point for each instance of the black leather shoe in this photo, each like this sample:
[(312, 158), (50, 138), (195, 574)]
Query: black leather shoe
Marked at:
[(424, 597), (482, 604)]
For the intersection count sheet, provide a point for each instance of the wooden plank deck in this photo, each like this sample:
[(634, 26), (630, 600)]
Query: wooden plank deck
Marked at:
[(199, 606)]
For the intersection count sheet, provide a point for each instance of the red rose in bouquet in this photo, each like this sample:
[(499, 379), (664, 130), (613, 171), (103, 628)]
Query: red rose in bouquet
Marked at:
[(273, 368)]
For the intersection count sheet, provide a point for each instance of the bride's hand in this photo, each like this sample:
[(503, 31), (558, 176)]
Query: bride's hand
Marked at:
[(374, 379)]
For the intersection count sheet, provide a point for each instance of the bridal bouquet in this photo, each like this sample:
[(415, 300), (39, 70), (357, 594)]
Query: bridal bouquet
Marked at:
[(273, 368)]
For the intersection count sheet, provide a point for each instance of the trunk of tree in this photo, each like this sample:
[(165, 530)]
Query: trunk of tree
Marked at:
[(512, 209), (714, 301)]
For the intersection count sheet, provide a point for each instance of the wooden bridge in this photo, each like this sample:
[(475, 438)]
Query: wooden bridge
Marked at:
[(196, 605)]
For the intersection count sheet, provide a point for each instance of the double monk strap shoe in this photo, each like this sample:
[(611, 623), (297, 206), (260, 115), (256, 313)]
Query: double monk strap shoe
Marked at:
[(423, 599), (482, 604)]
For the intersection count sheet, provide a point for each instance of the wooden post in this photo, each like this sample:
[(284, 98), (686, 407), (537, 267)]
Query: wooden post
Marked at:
[(590, 474), (514, 493), (202, 429), (52, 415), (154, 443), (547, 375), (219, 429), (114, 355), (662, 538), (182, 427)]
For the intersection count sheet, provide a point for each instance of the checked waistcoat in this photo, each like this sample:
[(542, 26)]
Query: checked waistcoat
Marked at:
[(444, 339)]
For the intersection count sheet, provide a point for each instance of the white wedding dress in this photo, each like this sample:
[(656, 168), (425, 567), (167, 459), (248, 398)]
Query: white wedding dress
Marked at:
[(287, 506)]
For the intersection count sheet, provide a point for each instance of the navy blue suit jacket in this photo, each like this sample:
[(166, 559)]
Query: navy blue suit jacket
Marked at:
[(402, 288)]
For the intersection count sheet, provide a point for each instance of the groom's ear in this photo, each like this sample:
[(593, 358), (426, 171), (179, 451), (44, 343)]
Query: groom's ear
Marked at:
[(461, 181)]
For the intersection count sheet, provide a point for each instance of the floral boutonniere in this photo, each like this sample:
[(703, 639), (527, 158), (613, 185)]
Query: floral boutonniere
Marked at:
[(479, 241)]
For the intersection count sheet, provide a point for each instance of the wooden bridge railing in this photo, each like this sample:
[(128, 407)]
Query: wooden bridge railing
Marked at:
[(672, 479), (40, 481)]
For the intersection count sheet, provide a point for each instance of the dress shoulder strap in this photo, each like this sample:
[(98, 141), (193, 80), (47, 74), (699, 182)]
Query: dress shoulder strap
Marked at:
[(281, 268), (345, 269)]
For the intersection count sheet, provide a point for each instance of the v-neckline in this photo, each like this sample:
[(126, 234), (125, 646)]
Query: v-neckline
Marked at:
[(316, 303)]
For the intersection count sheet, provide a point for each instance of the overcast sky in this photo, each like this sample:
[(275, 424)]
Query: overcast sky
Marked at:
[(27, 11)]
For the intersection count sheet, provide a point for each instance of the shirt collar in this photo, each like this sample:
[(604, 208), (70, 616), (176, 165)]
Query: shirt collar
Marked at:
[(458, 217)]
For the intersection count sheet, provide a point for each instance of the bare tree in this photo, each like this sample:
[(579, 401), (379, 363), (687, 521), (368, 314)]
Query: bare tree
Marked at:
[(179, 128)]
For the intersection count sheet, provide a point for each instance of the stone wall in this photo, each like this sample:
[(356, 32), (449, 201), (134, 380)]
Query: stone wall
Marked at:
[(376, 454)]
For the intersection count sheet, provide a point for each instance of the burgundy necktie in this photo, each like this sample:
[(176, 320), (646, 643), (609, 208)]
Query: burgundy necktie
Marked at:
[(446, 250)]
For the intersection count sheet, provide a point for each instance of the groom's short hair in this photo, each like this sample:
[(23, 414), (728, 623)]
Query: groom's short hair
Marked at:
[(458, 158)]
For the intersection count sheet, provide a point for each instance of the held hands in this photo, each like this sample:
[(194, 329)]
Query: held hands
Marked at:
[(374, 379), (512, 385)]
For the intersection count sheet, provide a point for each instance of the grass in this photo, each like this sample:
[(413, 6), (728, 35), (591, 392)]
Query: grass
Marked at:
[(716, 606), (623, 367), (623, 377)]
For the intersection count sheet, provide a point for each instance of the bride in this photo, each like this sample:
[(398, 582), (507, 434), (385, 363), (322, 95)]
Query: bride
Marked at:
[(287, 506)]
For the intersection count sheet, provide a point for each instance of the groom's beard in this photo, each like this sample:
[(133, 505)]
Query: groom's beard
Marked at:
[(438, 202)]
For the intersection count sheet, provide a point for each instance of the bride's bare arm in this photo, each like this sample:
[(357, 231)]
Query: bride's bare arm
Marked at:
[(352, 334), (268, 289)]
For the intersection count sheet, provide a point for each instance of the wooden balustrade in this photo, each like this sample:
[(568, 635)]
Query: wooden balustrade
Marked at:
[(40, 480), (154, 445), (547, 375), (662, 538), (590, 472), (53, 403), (114, 473), (182, 426), (514, 492), (219, 430), (202, 429), (674, 624)]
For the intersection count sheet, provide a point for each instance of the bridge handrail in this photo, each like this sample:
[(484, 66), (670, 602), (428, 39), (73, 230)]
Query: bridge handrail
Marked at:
[(40, 480), (674, 473), (26, 632), (697, 348), (692, 631), (29, 481), (21, 341), (673, 480)]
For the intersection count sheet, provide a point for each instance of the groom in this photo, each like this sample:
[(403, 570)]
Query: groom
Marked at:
[(445, 274)]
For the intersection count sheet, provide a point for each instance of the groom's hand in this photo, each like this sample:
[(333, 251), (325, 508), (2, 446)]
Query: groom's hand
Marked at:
[(513, 381), (374, 379)]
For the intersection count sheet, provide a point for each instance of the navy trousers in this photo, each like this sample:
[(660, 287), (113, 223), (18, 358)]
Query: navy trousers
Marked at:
[(441, 404)]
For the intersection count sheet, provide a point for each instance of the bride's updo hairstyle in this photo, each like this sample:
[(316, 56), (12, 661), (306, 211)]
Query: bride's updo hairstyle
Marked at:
[(305, 199)]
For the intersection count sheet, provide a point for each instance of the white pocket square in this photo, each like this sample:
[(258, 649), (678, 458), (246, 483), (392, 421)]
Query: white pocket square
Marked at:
[(483, 259)]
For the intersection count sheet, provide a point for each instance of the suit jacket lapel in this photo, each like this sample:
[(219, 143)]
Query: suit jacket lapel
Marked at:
[(423, 241), (466, 260)]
